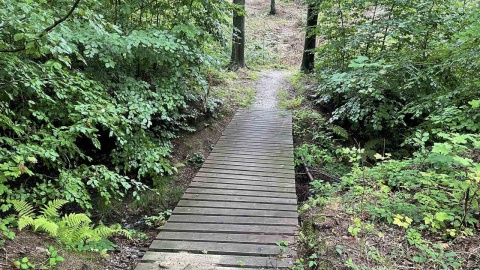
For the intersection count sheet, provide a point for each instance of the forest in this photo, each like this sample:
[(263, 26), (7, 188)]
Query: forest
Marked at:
[(105, 107)]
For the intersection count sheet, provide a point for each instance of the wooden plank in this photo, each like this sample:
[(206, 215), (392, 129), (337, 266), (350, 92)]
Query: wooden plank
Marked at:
[(216, 248), (226, 139), (229, 228), (233, 187), (213, 162), (260, 129), (256, 133), (267, 144), (201, 179), (282, 139), (180, 210), (249, 160), (238, 176), (241, 170), (255, 140), (257, 145), (260, 126), (234, 192), (183, 260), (222, 164), (234, 220), (182, 265), (219, 163), (259, 159), (254, 148), (226, 198), (262, 122), (224, 237), (238, 205), (272, 159), (253, 153)]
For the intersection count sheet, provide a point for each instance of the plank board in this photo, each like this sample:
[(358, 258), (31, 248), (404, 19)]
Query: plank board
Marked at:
[(215, 248), (229, 228), (230, 198), (180, 210), (238, 175), (234, 220), (235, 192), (232, 162), (182, 260), (247, 168), (239, 205), (253, 183)]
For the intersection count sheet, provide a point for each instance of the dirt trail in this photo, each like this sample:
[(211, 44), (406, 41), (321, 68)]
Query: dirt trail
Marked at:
[(267, 88)]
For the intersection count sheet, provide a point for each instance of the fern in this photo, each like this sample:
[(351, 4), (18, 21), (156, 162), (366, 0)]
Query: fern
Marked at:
[(25, 221), (72, 229), (52, 208), (23, 208), (337, 130)]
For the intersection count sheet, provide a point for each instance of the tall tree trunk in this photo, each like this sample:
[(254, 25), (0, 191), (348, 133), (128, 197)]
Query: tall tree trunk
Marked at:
[(238, 40), (308, 60), (273, 11)]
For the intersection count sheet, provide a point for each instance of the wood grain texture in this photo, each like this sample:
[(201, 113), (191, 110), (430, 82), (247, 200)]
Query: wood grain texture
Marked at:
[(240, 203)]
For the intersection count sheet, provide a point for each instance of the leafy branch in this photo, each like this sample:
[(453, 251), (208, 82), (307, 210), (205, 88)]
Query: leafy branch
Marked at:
[(46, 30)]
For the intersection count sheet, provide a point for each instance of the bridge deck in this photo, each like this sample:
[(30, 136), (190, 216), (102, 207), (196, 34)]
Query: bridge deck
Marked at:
[(240, 204)]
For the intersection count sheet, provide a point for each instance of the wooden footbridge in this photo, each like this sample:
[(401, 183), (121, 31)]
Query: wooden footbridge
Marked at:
[(241, 209)]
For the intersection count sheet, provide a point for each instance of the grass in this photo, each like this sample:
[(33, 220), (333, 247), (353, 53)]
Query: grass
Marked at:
[(288, 102), (237, 88)]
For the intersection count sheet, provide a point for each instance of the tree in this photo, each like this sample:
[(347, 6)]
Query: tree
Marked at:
[(238, 39), (308, 59), (273, 11)]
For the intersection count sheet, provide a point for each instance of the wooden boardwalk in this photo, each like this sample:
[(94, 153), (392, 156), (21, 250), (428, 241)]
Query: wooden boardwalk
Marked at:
[(240, 204)]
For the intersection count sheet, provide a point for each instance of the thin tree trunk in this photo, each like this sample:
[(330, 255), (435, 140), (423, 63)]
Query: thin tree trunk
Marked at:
[(308, 60), (238, 39), (273, 11), (371, 35)]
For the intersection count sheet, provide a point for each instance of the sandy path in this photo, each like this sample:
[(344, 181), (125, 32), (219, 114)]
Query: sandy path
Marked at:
[(267, 88)]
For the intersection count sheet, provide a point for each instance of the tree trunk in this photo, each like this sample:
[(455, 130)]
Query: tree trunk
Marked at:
[(238, 39), (308, 60), (273, 11)]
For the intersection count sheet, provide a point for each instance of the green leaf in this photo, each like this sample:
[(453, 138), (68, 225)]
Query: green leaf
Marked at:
[(18, 36), (441, 216)]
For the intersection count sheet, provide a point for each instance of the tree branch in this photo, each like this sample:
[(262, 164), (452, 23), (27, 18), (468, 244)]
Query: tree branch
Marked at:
[(46, 30), (56, 23)]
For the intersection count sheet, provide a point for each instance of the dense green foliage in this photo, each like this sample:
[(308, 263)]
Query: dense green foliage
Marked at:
[(402, 78), (93, 92), (388, 65)]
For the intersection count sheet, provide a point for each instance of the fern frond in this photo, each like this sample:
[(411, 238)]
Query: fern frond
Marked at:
[(25, 221), (47, 226), (52, 208), (127, 234), (23, 208), (105, 232), (76, 220), (39, 222), (340, 132)]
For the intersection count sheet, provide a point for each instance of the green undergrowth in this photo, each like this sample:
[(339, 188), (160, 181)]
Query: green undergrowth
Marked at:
[(236, 88), (422, 209)]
